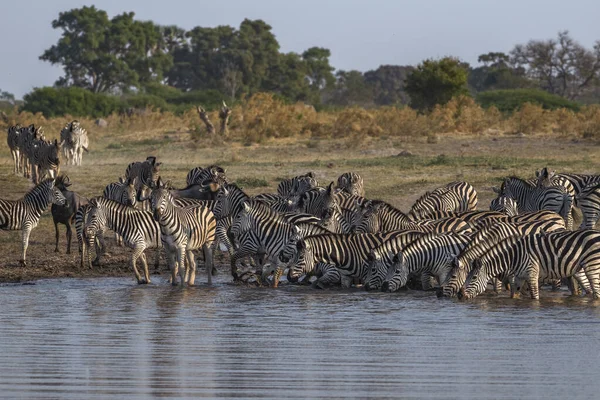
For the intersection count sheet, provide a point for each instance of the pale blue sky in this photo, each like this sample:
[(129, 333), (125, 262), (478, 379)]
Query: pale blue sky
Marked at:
[(360, 34)]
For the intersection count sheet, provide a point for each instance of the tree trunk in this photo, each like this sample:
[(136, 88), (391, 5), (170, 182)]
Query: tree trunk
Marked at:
[(224, 115), (210, 128)]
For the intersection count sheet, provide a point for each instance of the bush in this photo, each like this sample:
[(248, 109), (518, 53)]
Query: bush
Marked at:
[(75, 101), (513, 99)]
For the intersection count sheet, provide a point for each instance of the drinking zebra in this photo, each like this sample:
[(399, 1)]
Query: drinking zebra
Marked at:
[(455, 196), (182, 231), (428, 257), (539, 256), (138, 230), (24, 214), (379, 216), (323, 204), (351, 183)]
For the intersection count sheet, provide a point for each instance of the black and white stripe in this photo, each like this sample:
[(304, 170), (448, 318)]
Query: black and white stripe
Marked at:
[(455, 196), (351, 183), (24, 214), (12, 139), (74, 141)]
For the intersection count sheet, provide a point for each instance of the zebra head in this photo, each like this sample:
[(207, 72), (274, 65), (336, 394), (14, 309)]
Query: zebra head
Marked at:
[(544, 177), (504, 204), (243, 220), (367, 220), (397, 274), (456, 278), (95, 220), (378, 263), (129, 195), (160, 200), (476, 282), (55, 196), (293, 255)]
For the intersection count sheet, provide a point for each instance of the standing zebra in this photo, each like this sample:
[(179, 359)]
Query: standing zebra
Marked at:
[(530, 198), (323, 203), (487, 237), (455, 196), (123, 192), (204, 176), (539, 256), (429, 256), (75, 141), (24, 214), (183, 230), (137, 228), (12, 140), (146, 173), (80, 220), (352, 183), (44, 159)]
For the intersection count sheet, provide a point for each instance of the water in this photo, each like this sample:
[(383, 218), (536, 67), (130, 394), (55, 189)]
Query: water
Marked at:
[(112, 339)]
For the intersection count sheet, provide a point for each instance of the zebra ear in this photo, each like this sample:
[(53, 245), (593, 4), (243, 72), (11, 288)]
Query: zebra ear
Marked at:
[(158, 164), (330, 188), (159, 183), (301, 245), (121, 179), (247, 207), (342, 181), (93, 202)]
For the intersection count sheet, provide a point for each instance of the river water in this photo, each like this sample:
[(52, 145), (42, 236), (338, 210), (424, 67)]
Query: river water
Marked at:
[(112, 339)]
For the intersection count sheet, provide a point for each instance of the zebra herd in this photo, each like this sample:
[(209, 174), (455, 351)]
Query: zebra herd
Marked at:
[(334, 236), (35, 157)]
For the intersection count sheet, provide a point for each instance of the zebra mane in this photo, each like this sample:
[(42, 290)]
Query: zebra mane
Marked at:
[(104, 202), (46, 184)]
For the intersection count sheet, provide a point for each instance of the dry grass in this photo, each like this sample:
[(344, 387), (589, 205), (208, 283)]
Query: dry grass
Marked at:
[(308, 141)]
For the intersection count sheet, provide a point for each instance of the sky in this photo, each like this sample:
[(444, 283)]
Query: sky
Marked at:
[(360, 34)]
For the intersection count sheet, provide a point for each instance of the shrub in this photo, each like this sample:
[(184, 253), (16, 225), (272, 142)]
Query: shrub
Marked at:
[(75, 101), (512, 99)]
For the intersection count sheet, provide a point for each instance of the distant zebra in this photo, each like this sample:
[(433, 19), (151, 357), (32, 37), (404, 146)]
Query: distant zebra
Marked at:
[(27, 136), (137, 228), (531, 198), (380, 259), (44, 159), (146, 173), (379, 216), (24, 214), (352, 183), (334, 258), (430, 256), (296, 186), (205, 176), (12, 140), (487, 237), (74, 140), (183, 230), (539, 256), (455, 196)]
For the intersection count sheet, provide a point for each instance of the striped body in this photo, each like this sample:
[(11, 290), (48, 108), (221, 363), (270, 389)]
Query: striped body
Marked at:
[(471, 217), (505, 205), (122, 192), (24, 214), (485, 238), (80, 220), (537, 257), (588, 202), (145, 172), (455, 196), (351, 183), (429, 256), (350, 206), (74, 140), (25, 140), (44, 159), (531, 198), (379, 216), (381, 258), (295, 187), (137, 228), (204, 176), (183, 230), (449, 224)]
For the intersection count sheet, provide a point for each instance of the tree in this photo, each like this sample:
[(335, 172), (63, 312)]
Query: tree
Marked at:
[(436, 82), (103, 55), (318, 70), (387, 83), (560, 66), (497, 73), (351, 89), (7, 97)]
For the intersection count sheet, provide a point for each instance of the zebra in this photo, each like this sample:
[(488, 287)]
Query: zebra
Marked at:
[(65, 214), (429, 256), (455, 196), (336, 258), (12, 140), (504, 205), (44, 159), (470, 217), (350, 206), (138, 229), (29, 139), (531, 198), (539, 256), (80, 220), (296, 186), (351, 183), (212, 174), (379, 216), (123, 192), (323, 203), (486, 237), (276, 202), (74, 140), (24, 214), (449, 224), (379, 260), (588, 202), (146, 173), (182, 231), (578, 182)]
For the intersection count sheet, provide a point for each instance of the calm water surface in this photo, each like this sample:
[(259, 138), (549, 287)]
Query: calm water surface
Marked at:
[(112, 339)]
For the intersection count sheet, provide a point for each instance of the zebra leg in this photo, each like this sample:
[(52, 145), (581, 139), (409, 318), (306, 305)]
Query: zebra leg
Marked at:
[(534, 288), (82, 251), (581, 281), (190, 269), (594, 279), (26, 233), (181, 265), (56, 250), (330, 276), (69, 236), (497, 285), (146, 272), (157, 259), (208, 261)]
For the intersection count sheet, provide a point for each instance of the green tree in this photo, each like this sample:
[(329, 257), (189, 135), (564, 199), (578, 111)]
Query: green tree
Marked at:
[(388, 82), (436, 82), (351, 89), (104, 55), (497, 73), (318, 70)]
